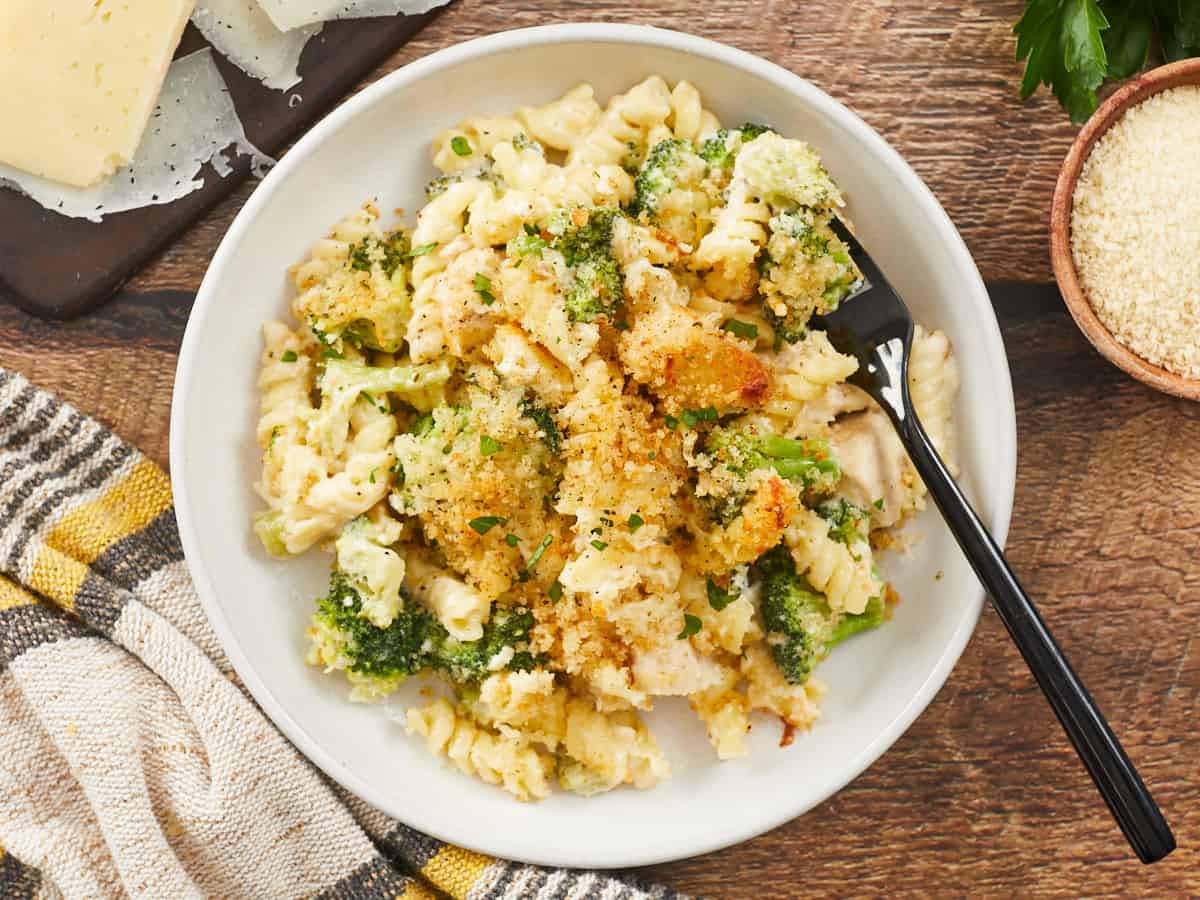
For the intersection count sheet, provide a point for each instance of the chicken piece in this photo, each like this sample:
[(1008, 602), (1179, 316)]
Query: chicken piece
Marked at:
[(874, 465)]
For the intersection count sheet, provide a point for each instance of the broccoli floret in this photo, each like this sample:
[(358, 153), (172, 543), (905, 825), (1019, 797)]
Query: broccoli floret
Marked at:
[(375, 570), (809, 462), (529, 242), (658, 175), (366, 302), (786, 173), (545, 422), (505, 641), (801, 629), (720, 149), (845, 520), (596, 287), (807, 269), (343, 383), (377, 660), (392, 653)]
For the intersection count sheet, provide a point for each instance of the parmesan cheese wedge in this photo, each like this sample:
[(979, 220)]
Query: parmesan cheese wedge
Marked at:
[(80, 78), (193, 124), (241, 31), (289, 14)]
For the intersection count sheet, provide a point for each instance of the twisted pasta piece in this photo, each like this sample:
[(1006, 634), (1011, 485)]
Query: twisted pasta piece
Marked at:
[(845, 577), (467, 145), (560, 123), (500, 757), (629, 120), (689, 120), (933, 384), (809, 389), (769, 691), (439, 225), (729, 250)]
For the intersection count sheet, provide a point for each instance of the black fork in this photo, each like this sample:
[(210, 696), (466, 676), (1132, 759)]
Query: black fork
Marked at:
[(875, 327)]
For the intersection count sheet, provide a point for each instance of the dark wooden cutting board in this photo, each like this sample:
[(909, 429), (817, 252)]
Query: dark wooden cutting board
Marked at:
[(57, 267)]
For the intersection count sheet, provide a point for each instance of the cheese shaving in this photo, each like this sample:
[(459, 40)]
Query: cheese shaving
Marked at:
[(194, 123), (289, 14), (241, 31)]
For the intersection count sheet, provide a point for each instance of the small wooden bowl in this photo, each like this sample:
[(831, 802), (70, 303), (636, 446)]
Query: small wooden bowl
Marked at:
[(1153, 82)]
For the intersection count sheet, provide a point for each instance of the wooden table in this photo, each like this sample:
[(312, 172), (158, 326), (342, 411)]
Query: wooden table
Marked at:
[(982, 796)]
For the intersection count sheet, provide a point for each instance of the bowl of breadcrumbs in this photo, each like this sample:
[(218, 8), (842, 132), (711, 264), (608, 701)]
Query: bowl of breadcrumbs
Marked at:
[(1125, 229)]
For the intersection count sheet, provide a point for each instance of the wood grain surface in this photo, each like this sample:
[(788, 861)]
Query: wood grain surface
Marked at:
[(983, 796)]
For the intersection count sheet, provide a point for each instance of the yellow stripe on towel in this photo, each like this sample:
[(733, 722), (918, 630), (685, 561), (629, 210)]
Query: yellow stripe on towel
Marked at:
[(454, 870), (417, 891), (13, 595), (124, 509)]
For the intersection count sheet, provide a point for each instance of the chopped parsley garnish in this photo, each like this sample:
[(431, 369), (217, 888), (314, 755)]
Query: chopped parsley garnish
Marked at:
[(489, 446), (512, 540), (484, 524), (289, 356), (460, 145), (371, 477), (878, 504), (599, 545), (635, 522), (691, 625), (535, 558), (555, 591), (423, 250), (719, 597), (671, 422), (690, 417), (747, 330), (483, 287)]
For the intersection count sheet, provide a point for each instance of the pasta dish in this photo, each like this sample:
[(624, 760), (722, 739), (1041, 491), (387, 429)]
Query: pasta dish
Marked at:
[(574, 446)]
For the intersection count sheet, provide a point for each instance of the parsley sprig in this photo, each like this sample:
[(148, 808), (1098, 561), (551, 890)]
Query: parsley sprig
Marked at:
[(1073, 46)]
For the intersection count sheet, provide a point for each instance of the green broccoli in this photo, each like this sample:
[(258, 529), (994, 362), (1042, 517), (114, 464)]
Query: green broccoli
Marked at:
[(801, 629), (469, 661), (377, 660), (809, 462), (596, 287), (658, 174), (366, 302), (388, 654), (720, 149), (344, 382), (806, 269), (845, 520)]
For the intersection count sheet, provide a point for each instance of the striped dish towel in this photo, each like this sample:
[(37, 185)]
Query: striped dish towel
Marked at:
[(132, 761)]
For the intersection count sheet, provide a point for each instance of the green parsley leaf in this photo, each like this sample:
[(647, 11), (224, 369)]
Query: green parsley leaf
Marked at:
[(423, 250), (512, 540), (1061, 43), (599, 545), (460, 145), (289, 356), (484, 524), (1127, 41), (747, 330), (671, 422), (483, 287), (555, 591), (691, 625), (489, 446), (690, 417), (719, 597), (635, 522), (878, 504), (535, 558)]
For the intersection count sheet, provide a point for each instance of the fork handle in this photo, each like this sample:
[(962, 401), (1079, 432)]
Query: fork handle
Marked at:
[(1122, 788)]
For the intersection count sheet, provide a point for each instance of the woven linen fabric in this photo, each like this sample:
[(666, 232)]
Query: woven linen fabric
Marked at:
[(132, 761)]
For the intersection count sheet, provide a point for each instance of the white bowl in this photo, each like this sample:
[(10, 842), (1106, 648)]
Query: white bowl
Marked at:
[(375, 145)]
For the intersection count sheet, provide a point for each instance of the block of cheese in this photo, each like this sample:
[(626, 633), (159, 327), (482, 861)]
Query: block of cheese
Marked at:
[(78, 79)]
